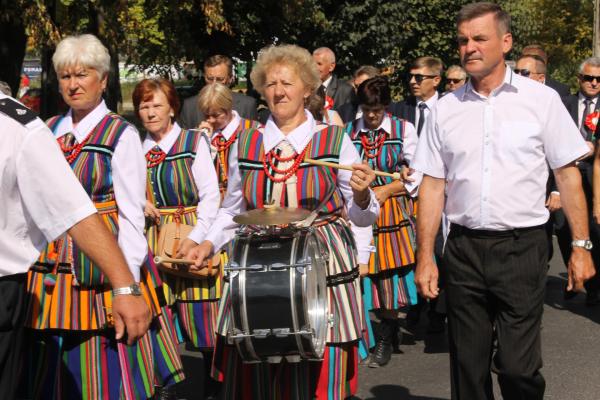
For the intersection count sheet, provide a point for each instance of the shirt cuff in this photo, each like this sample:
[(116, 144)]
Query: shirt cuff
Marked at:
[(365, 217), (555, 192), (364, 255)]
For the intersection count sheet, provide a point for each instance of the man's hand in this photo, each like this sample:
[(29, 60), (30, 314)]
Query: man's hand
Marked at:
[(580, 269), (132, 317), (553, 202), (363, 269), (200, 254), (596, 213), (426, 278)]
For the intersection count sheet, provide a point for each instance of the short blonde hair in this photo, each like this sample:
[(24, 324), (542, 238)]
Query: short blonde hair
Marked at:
[(86, 50), (290, 55), (215, 95)]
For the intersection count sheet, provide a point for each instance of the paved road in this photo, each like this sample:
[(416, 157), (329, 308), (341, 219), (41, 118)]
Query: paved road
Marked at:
[(571, 350)]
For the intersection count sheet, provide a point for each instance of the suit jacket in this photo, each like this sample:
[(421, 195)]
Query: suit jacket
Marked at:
[(405, 109), (562, 89), (340, 91), (191, 116), (348, 111)]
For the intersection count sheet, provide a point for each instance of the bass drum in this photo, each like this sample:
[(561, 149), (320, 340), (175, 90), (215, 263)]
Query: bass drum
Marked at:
[(278, 295)]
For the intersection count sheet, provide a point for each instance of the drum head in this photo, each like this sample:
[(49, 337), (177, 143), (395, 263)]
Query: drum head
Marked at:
[(316, 293)]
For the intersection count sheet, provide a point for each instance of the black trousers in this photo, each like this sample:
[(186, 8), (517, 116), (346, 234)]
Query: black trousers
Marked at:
[(495, 280), (12, 313)]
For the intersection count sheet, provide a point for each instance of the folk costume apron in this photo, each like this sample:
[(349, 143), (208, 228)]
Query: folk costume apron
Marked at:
[(74, 353), (336, 376), (390, 283)]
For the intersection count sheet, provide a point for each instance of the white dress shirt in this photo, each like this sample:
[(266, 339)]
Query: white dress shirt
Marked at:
[(581, 107), (204, 175), (492, 152), (430, 102), (40, 197), (233, 204), (129, 182)]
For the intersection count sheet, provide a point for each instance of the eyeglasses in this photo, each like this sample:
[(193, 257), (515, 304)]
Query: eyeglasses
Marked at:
[(523, 72), (419, 77), (455, 80), (589, 78)]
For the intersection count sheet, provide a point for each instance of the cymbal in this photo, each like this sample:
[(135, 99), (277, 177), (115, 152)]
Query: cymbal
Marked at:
[(272, 216)]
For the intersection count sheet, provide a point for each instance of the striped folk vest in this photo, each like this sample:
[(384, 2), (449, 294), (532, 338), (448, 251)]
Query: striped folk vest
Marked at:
[(221, 160), (314, 182), (93, 169), (391, 157), (171, 183)]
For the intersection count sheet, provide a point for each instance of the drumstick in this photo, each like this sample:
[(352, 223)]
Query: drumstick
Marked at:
[(160, 260), (395, 175)]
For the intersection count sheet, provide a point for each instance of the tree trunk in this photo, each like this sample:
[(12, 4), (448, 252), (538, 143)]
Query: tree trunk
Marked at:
[(13, 42)]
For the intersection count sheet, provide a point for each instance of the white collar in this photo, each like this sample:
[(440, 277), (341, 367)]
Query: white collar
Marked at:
[(510, 79), (298, 138), (582, 97), (386, 125), (85, 126), (166, 143), (327, 81), (430, 101), (231, 126)]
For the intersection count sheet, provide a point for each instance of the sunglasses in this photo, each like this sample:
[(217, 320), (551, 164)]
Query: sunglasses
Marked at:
[(523, 72), (419, 77), (454, 80), (589, 78)]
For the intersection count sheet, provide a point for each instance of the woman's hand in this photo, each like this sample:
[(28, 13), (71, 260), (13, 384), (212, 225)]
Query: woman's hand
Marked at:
[(382, 193), (363, 269), (184, 247), (200, 254), (362, 177), (150, 211), (207, 126)]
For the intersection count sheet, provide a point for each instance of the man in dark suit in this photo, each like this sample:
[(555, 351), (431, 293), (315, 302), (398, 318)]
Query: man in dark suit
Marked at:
[(580, 105), (217, 68), (351, 110), (423, 79), (338, 90), (537, 50)]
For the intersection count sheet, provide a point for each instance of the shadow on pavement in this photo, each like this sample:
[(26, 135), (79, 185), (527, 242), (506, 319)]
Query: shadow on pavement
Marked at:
[(554, 298), (395, 392)]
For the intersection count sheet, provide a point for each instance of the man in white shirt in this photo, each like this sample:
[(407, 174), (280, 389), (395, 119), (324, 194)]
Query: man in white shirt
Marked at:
[(488, 145), (41, 199)]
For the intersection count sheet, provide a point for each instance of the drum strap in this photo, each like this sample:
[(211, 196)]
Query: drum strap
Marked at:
[(344, 277)]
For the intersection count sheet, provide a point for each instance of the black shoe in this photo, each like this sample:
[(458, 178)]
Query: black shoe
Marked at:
[(591, 298), (397, 338), (569, 294), (437, 323), (165, 393), (381, 355), (413, 315)]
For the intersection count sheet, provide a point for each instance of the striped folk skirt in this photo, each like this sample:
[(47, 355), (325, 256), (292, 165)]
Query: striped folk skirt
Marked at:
[(73, 353), (333, 378), (390, 284), (194, 302)]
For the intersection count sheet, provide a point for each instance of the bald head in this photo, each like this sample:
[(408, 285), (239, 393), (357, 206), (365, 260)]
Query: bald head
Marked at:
[(325, 59)]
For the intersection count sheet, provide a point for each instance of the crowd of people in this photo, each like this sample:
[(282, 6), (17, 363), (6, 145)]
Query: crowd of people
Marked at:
[(491, 167)]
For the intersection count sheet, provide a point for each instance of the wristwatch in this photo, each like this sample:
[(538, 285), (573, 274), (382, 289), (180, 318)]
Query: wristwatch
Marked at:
[(585, 243), (133, 289)]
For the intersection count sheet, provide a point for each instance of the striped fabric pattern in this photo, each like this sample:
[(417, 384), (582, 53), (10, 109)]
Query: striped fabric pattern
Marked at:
[(221, 161), (394, 231), (71, 320), (314, 182), (171, 182), (334, 378)]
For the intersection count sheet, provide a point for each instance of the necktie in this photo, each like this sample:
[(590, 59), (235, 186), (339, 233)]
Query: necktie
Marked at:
[(585, 131), (422, 107)]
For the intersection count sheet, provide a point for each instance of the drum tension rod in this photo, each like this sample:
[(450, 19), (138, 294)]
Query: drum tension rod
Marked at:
[(277, 332)]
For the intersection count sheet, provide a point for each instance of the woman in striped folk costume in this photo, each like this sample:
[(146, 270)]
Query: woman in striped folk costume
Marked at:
[(181, 185), (386, 143), (74, 354), (286, 76)]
